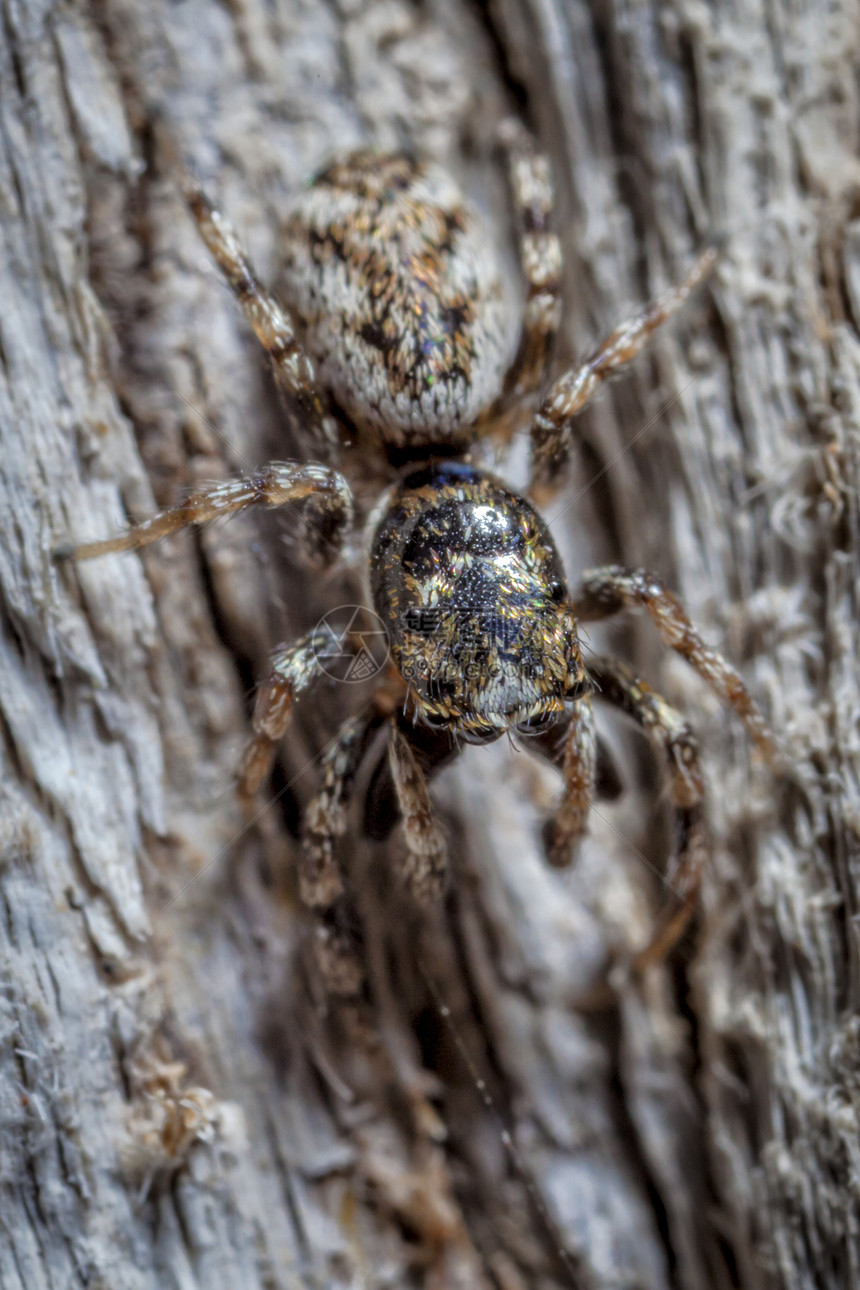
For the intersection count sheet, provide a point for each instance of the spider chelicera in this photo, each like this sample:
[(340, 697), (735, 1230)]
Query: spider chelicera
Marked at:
[(394, 332)]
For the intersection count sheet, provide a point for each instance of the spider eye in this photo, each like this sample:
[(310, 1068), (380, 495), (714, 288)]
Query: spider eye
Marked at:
[(538, 723), (480, 735), (579, 688), (557, 592), (435, 722)]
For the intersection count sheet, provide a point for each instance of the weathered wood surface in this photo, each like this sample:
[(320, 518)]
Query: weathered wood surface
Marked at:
[(174, 1112)]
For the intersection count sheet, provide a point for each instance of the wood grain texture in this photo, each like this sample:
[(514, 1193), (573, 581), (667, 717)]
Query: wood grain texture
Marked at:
[(175, 1111)]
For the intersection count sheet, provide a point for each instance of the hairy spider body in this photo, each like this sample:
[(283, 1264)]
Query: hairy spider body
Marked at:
[(471, 589), (400, 299), (397, 325)]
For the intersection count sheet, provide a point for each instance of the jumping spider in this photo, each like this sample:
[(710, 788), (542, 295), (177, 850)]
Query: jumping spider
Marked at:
[(396, 327)]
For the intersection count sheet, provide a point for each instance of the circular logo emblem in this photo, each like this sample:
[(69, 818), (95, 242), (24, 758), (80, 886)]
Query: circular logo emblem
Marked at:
[(352, 645)]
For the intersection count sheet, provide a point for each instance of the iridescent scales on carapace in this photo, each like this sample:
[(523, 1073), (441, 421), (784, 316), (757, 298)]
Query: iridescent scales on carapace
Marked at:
[(396, 325), (468, 582)]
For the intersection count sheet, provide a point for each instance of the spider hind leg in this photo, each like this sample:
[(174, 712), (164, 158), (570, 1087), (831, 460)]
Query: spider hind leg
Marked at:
[(271, 321), (575, 388), (540, 257)]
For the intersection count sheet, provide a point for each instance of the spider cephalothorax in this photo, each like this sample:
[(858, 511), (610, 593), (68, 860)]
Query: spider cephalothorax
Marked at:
[(471, 588), (396, 324)]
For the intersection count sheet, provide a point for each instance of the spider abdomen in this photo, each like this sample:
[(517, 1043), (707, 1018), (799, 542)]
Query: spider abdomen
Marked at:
[(399, 291)]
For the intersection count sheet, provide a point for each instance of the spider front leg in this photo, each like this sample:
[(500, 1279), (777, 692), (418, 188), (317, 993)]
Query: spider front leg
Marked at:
[(337, 948), (320, 880), (321, 884), (577, 760), (426, 862), (292, 670), (277, 484), (551, 429), (606, 591), (671, 735)]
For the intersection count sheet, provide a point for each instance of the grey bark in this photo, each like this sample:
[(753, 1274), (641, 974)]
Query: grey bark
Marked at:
[(176, 1108)]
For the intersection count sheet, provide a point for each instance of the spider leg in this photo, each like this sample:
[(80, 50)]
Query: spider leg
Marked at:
[(540, 257), (272, 324), (292, 670), (671, 735), (278, 483), (321, 885), (569, 394), (608, 590), (425, 864), (337, 947), (577, 759)]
